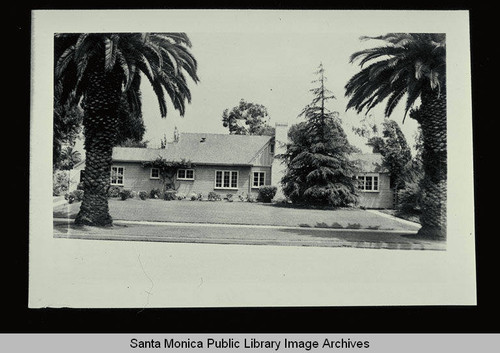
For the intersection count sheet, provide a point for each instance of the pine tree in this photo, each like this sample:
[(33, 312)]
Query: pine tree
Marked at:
[(319, 171)]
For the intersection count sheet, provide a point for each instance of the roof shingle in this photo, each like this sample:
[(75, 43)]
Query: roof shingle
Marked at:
[(200, 148)]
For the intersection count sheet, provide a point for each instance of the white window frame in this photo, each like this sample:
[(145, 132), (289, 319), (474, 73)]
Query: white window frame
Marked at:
[(373, 176), (231, 172), (185, 173), (253, 179), (151, 174), (117, 173)]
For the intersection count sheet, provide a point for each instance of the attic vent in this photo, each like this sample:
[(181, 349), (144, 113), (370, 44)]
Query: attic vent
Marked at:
[(203, 139)]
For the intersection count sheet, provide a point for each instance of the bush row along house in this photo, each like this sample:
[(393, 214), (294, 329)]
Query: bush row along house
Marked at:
[(233, 164)]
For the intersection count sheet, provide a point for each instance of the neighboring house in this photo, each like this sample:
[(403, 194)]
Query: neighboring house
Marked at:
[(232, 164), (374, 182)]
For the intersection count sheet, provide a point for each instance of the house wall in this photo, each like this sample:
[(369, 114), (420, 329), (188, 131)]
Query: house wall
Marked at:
[(384, 198), (264, 158), (137, 178)]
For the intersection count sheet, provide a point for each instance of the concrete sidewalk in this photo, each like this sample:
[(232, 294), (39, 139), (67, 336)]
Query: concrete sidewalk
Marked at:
[(247, 235)]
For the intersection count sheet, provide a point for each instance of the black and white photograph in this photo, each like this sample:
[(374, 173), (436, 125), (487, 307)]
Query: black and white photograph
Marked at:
[(239, 158)]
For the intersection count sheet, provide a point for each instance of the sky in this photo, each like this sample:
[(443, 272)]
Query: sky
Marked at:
[(272, 69)]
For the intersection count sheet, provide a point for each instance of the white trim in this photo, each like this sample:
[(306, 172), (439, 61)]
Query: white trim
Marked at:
[(230, 179), (186, 169), (151, 173), (111, 175), (253, 177), (373, 175)]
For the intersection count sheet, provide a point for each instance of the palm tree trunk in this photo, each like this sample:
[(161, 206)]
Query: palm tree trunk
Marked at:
[(432, 118), (100, 131)]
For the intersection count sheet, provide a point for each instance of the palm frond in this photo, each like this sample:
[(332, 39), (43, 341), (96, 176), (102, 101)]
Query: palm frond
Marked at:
[(63, 61)]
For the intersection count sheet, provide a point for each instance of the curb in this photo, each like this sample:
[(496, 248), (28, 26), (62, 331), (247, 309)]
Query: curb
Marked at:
[(59, 202)]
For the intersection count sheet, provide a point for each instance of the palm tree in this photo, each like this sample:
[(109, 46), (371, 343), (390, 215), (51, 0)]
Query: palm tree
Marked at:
[(411, 65), (99, 68), (69, 157)]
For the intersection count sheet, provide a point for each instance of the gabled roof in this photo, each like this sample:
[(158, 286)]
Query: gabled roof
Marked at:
[(369, 162), (200, 148)]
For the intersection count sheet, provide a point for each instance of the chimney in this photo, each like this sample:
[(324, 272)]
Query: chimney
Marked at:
[(176, 134), (278, 168)]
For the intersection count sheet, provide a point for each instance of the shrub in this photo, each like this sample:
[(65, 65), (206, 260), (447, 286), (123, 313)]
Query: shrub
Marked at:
[(213, 196), (76, 195), (181, 196), (229, 197), (79, 186), (60, 182), (250, 198), (266, 193), (193, 196), (143, 195), (409, 199), (114, 191), (125, 194), (282, 200), (170, 195), (154, 194), (69, 197)]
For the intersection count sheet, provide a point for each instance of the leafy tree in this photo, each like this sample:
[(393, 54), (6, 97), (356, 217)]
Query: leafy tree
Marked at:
[(253, 116), (395, 151), (66, 124), (167, 171), (411, 65), (99, 68), (410, 197), (129, 142), (319, 171), (388, 140)]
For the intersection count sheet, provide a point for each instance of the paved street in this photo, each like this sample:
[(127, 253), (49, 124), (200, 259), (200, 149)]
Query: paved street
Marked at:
[(247, 234)]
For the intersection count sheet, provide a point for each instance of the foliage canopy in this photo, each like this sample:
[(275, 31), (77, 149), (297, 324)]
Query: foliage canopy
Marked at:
[(247, 119), (319, 171)]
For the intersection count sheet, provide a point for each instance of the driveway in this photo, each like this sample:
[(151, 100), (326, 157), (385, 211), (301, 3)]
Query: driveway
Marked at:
[(242, 213)]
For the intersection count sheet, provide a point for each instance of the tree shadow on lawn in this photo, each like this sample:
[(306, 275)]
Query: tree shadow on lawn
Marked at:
[(308, 207), (65, 226), (356, 237), (336, 225)]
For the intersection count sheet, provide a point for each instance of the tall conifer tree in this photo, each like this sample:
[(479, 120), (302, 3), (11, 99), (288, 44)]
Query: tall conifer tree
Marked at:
[(319, 170)]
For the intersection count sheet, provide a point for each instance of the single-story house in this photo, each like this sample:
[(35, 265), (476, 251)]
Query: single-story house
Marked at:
[(374, 182), (233, 164)]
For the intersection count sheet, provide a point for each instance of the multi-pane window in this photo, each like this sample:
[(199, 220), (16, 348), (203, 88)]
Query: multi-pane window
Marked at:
[(185, 174), (258, 179), (226, 179), (368, 182), (117, 175), (155, 173)]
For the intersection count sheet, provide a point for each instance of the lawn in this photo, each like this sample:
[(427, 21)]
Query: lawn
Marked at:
[(223, 212)]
